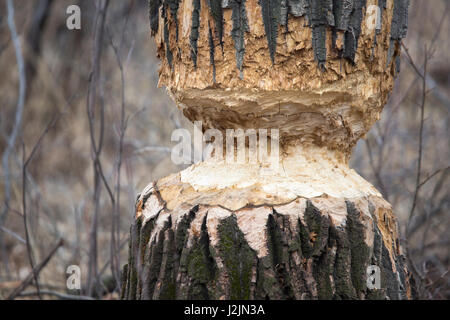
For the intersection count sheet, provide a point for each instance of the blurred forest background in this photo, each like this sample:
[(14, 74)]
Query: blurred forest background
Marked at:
[(84, 128)]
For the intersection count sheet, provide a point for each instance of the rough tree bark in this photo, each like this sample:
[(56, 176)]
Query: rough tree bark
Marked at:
[(318, 71)]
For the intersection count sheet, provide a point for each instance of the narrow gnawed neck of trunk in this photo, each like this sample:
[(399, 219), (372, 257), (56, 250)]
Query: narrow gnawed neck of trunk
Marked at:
[(301, 171)]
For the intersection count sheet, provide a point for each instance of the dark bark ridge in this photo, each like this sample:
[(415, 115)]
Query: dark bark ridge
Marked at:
[(212, 52), (169, 54), (399, 29), (194, 30), (153, 6), (215, 7), (271, 14), (338, 15), (240, 26), (172, 256), (174, 5)]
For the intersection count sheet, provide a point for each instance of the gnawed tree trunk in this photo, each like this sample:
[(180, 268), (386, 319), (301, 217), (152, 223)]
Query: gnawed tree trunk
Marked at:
[(316, 248), (318, 71)]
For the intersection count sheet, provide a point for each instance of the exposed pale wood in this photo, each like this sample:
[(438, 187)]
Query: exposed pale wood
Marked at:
[(315, 248), (309, 228), (334, 105)]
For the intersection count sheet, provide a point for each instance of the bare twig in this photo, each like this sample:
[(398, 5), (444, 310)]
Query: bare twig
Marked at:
[(25, 222), (25, 283), (13, 234), (420, 151), (417, 273), (115, 226), (93, 281), (376, 170), (5, 45), (41, 12), (428, 79), (439, 279), (107, 263), (431, 176), (59, 295), (11, 141), (25, 164), (420, 220)]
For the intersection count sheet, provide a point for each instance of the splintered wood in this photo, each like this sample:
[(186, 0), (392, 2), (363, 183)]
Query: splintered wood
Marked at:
[(319, 71), (304, 249)]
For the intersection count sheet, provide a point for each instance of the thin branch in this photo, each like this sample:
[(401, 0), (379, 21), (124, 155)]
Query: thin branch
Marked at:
[(376, 171), (424, 182), (438, 244), (11, 141), (420, 151), (13, 234), (38, 144), (107, 263), (25, 283), (411, 61), (115, 233), (161, 149), (418, 274), (439, 279), (25, 222), (62, 296), (420, 220), (96, 145), (26, 162)]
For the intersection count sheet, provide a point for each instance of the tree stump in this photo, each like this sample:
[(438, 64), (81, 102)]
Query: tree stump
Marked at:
[(319, 72)]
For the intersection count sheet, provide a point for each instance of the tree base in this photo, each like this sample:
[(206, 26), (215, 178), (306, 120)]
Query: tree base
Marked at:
[(317, 248)]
